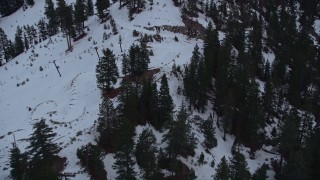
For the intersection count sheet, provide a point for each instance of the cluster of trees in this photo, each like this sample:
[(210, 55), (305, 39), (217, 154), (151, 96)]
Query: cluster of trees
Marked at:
[(136, 61), (290, 82), (237, 168), (40, 161), (133, 6), (8, 7)]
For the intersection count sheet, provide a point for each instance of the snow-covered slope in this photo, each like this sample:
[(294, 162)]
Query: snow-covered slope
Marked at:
[(70, 103)]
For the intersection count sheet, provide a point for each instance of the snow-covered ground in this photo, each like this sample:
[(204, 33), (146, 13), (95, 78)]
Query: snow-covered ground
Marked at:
[(70, 103)]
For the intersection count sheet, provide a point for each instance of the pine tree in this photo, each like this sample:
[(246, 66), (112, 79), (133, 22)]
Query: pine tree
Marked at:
[(108, 124), (19, 45), (269, 99), (229, 113), (166, 106), (52, 17), (138, 60), (261, 173), (222, 170), (89, 8), (145, 152), (128, 107), (91, 158), (4, 47), (255, 47), (107, 71), (211, 49), (42, 151), (65, 17), (125, 64), (124, 162), (289, 138), (197, 80), (79, 15), (180, 139), (239, 167), (43, 31), (209, 133), (149, 102), (101, 6), (26, 42), (18, 164), (222, 79)]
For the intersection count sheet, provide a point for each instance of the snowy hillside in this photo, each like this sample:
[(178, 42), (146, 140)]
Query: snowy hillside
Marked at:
[(70, 103)]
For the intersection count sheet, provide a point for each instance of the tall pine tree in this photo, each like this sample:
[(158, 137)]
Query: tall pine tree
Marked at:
[(107, 71)]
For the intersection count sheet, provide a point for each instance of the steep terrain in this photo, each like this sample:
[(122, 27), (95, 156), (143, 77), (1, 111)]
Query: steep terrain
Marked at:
[(70, 103)]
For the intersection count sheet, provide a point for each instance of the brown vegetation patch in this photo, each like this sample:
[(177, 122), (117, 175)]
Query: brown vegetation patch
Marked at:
[(81, 36), (131, 78)]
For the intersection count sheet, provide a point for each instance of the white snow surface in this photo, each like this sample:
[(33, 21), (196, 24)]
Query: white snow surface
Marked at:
[(70, 103)]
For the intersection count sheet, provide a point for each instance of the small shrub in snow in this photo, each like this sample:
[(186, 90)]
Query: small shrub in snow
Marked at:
[(135, 33), (176, 38), (41, 68)]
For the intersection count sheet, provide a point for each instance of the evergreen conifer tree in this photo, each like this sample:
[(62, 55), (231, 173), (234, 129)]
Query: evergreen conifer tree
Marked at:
[(42, 151), (4, 47), (79, 15), (222, 170), (52, 17), (165, 106), (18, 164), (108, 124), (101, 6), (209, 133), (107, 71), (89, 8), (145, 152), (18, 44), (91, 158), (261, 173), (239, 167), (124, 162), (180, 139)]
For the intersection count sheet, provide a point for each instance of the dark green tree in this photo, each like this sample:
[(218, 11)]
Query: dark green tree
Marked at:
[(89, 8), (138, 60), (18, 164), (211, 49), (149, 102), (239, 167), (4, 47), (145, 152), (128, 106), (289, 138), (222, 170), (261, 173), (180, 139), (165, 106), (52, 17), (102, 5), (42, 151), (18, 44), (108, 124), (91, 158), (79, 15), (196, 81), (107, 71), (124, 162), (66, 20), (255, 47), (208, 130)]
